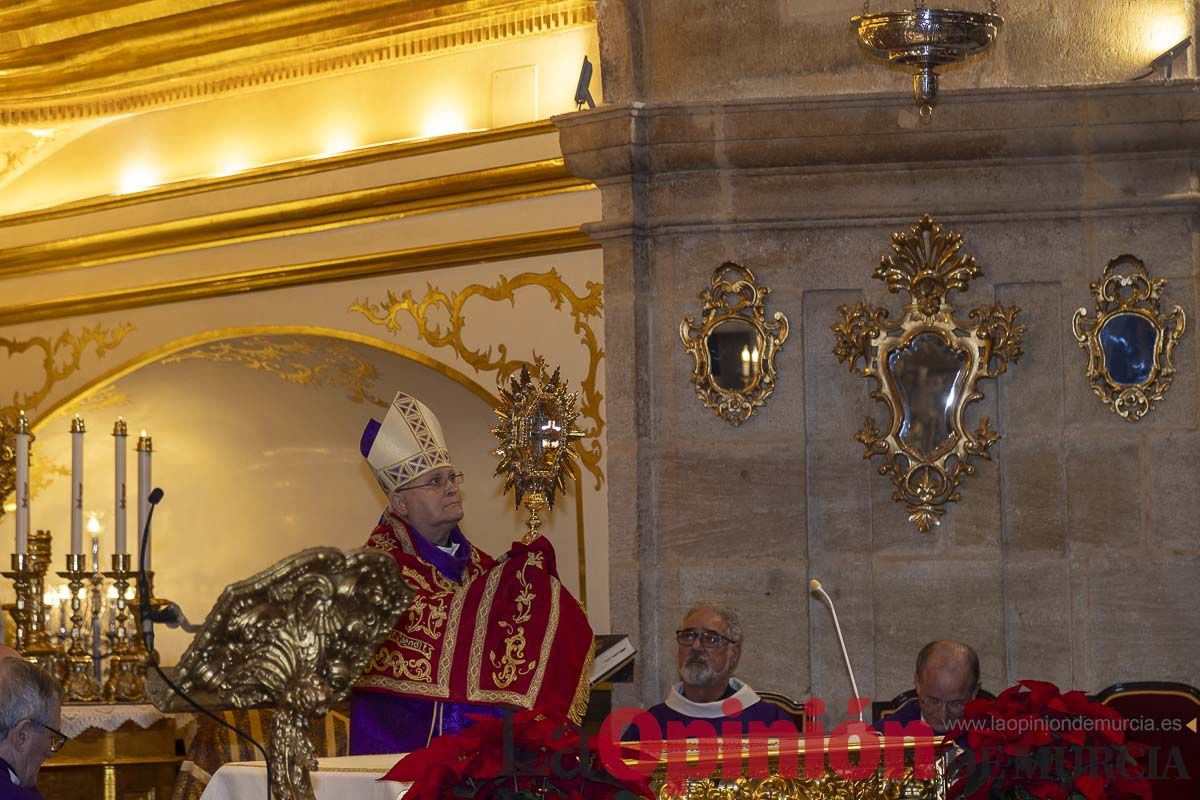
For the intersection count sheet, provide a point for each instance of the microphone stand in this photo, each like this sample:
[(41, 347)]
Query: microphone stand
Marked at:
[(817, 589), (151, 610)]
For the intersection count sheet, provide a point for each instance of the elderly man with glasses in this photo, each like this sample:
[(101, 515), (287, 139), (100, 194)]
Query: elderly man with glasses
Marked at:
[(30, 715), (390, 707), (709, 647)]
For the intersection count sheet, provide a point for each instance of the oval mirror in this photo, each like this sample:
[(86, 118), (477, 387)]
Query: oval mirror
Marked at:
[(735, 352), (927, 373), (1128, 342)]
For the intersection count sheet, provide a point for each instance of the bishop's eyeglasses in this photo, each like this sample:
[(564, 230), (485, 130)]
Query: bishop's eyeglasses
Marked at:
[(438, 482), (709, 640)]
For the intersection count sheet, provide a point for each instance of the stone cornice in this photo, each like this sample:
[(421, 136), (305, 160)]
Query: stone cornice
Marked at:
[(849, 131)]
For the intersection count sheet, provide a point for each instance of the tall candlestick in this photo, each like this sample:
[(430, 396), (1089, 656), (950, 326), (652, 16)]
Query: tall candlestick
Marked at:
[(120, 432), (144, 449), (77, 431), (22, 487)]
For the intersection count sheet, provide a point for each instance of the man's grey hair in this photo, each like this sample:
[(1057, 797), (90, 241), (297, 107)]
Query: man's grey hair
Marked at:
[(728, 614), (26, 692)]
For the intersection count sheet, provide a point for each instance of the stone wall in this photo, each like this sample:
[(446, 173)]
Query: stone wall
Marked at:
[(1074, 554), (660, 51)]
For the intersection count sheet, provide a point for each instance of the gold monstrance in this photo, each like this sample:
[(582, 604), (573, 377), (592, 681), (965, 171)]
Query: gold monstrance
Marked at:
[(536, 432)]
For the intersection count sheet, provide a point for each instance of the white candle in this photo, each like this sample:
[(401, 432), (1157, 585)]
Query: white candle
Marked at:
[(77, 431), (144, 448), (22, 487), (120, 432)]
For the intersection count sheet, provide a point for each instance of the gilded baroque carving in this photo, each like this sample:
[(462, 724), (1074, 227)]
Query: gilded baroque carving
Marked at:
[(925, 369), (294, 360), (437, 304), (831, 787), (734, 382), (1130, 342), (296, 637)]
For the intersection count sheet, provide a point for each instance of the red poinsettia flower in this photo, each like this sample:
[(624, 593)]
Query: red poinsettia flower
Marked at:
[(1036, 741)]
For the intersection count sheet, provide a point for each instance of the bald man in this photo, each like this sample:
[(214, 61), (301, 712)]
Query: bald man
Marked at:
[(946, 679)]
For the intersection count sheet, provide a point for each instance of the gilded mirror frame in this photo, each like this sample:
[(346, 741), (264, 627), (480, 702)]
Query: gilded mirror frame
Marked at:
[(733, 294), (1127, 287), (927, 263)]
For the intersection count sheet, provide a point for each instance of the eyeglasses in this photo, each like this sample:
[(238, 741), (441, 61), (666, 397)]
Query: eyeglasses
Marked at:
[(952, 706), (57, 737), (709, 640), (439, 482)]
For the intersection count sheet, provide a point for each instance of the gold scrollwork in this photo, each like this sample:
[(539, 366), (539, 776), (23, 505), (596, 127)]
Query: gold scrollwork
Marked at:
[(293, 360), (733, 348), (1130, 342), (926, 367), (512, 663), (582, 310), (61, 357)]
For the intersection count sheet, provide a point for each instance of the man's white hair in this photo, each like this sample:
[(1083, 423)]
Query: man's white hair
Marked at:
[(728, 614), (26, 692)]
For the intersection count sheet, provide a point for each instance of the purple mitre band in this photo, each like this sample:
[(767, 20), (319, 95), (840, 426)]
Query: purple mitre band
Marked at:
[(368, 436)]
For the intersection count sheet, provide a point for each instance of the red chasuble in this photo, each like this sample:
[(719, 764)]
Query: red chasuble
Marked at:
[(506, 634)]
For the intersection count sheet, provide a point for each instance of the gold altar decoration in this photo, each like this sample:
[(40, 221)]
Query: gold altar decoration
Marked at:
[(78, 672), (294, 360), (28, 575), (733, 348), (437, 305), (537, 436), (905, 783), (1130, 342), (926, 367), (294, 637), (128, 659)]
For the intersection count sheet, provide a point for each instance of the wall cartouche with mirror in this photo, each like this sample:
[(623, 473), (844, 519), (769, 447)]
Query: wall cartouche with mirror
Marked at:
[(1130, 342), (925, 369), (733, 347)]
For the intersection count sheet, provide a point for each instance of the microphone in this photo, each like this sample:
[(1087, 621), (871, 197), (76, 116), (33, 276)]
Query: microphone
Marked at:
[(173, 616), (144, 609), (817, 589)]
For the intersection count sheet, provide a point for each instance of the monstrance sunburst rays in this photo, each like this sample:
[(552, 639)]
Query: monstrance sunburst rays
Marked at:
[(537, 431)]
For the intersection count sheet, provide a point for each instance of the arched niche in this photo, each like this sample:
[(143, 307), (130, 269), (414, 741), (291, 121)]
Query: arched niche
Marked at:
[(256, 446)]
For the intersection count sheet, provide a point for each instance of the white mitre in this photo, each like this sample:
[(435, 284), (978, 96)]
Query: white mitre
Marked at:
[(408, 443)]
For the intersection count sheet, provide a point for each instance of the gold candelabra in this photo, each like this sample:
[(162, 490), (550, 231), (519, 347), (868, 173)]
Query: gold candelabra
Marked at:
[(73, 664), (127, 665), (79, 682), (28, 575)]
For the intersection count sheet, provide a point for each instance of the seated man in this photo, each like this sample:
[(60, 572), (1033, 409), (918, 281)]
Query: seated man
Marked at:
[(946, 679), (30, 715), (709, 648)]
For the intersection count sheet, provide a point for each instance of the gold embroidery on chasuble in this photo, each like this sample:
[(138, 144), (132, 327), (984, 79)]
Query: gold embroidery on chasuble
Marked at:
[(512, 665), (427, 631)]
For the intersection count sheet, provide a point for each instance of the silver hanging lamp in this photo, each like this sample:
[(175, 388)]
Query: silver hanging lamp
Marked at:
[(923, 39)]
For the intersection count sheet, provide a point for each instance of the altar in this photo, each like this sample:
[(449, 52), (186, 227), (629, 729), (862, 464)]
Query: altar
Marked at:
[(341, 778)]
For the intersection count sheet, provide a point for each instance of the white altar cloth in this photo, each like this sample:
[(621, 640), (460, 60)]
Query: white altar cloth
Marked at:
[(345, 778)]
